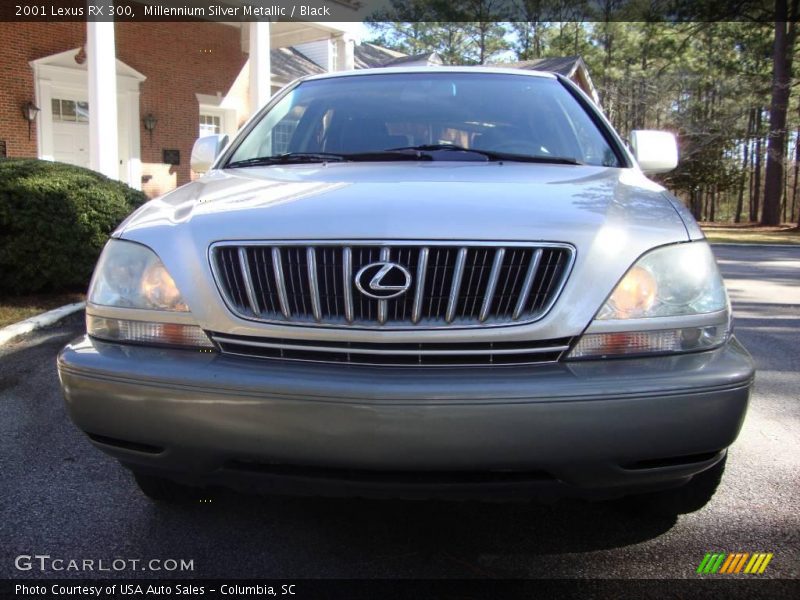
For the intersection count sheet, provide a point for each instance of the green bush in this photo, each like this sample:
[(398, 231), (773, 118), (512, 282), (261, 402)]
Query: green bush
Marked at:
[(54, 220)]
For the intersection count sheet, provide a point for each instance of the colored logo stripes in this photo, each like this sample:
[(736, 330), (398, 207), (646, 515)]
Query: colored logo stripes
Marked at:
[(735, 563)]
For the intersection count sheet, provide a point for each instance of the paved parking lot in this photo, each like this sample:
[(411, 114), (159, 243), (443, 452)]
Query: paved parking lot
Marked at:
[(62, 497)]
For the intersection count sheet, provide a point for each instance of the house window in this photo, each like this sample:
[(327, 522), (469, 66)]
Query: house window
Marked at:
[(70, 110), (210, 124), (334, 50)]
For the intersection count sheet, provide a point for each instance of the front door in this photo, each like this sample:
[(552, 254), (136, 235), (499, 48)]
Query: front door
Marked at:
[(71, 131)]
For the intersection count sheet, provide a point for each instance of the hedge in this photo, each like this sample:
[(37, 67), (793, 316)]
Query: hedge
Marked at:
[(54, 220)]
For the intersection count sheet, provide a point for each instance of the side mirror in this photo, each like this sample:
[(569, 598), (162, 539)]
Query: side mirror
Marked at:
[(205, 151), (655, 151)]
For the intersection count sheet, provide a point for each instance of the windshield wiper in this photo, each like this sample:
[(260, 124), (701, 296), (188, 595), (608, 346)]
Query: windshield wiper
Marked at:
[(320, 157), (287, 158), (488, 154), (421, 152)]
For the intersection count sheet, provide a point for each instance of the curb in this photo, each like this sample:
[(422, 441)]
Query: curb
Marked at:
[(10, 332)]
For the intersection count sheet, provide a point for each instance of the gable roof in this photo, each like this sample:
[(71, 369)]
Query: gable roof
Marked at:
[(427, 58), (571, 67), (370, 56), (289, 63), (563, 65), (76, 59)]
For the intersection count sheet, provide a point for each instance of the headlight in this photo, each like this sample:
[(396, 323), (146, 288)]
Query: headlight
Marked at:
[(671, 281), (643, 313), (129, 275)]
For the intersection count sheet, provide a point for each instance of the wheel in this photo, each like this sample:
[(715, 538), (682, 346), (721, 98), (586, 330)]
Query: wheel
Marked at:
[(687, 498), (168, 491)]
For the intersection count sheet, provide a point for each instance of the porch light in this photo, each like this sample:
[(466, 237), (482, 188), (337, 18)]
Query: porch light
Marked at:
[(29, 111), (149, 123)]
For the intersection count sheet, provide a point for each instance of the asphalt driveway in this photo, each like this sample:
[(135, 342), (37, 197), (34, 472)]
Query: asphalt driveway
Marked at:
[(62, 497)]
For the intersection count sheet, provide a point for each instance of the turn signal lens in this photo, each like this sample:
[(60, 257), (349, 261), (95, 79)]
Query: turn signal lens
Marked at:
[(664, 341), (144, 332)]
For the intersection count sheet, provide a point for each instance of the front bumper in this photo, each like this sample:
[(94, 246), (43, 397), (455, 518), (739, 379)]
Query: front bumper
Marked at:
[(587, 428)]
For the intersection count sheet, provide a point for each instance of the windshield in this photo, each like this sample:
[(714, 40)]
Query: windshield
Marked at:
[(363, 117)]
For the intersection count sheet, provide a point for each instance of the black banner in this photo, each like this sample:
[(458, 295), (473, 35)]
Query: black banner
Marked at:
[(731, 587), (389, 10)]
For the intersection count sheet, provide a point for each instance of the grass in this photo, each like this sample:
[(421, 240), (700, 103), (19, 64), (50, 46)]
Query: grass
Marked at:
[(17, 308), (751, 234)]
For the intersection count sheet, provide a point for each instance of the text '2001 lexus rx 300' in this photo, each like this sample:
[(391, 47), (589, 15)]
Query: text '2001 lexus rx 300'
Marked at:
[(416, 282)]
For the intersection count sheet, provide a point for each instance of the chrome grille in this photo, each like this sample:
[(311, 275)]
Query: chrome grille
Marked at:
[(452, 284), (395, 354)]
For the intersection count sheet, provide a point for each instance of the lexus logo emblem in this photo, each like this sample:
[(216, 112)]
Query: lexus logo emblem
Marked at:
[(383, 280)]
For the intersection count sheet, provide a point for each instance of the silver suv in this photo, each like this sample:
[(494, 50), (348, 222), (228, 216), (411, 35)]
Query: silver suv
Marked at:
[(416, 282)]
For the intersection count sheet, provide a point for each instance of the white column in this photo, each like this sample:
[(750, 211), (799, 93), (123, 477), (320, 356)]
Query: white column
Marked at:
[(260, 68), (332, 61), (101, 57), (134, 142), (345, 53), (44, 124)]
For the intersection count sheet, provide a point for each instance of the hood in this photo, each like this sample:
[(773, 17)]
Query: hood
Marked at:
[(427, 200), (611, 216)]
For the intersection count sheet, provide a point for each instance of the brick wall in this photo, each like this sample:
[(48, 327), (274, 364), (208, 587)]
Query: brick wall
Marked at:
[(178, 59)]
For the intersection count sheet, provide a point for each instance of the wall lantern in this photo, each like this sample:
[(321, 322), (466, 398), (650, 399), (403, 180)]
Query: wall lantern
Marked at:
[(149, 123), (29, 111)]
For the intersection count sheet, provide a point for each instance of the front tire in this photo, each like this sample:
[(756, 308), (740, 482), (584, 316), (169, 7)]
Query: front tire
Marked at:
[(685, 499)]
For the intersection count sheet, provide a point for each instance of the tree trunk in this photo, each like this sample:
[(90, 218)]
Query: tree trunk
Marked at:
[(712, 210), (796, 172), (783, 50), (785, 194), (697, 203), (754, 205), (751, 184), (746, 159)]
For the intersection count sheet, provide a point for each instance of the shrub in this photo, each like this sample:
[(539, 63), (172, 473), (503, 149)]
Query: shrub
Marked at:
[(54, 220)]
